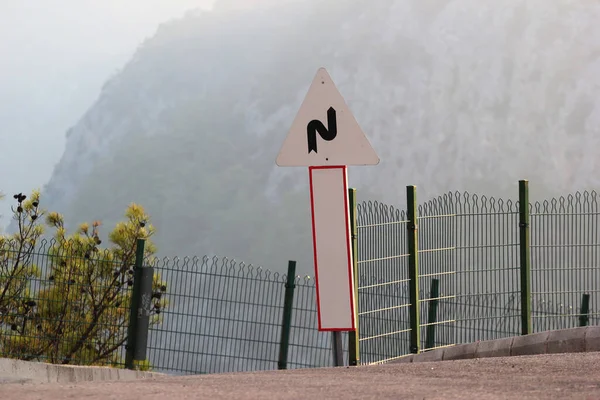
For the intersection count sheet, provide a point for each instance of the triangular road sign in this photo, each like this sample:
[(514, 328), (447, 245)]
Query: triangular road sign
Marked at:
[(324, 131)]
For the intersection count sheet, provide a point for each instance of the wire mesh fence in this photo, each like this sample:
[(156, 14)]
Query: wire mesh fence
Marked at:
[(383, 298), (68, 303), (222, 316), (437, 272), (486, 260), (308, 347), (225, 316), (65, 305), (469, 270), (565, 261)]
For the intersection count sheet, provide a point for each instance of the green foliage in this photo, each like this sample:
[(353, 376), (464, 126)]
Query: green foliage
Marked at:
[(142, 365), (17, 266), (79, 313)]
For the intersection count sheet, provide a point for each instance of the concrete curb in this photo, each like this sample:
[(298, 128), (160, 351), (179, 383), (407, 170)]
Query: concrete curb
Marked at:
[(575, 340), (17, 371)]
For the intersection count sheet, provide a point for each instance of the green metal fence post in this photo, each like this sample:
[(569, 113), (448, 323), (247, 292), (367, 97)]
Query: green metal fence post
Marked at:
[(413, 269), (584, 314), (286, 323), (432, 313), (525, 257), (132, 329), (354, 336)]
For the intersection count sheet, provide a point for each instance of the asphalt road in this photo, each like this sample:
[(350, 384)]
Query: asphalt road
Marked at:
[(556, 376)]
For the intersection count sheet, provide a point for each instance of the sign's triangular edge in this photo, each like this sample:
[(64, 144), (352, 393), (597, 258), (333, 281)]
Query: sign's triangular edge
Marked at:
[(370, 147), (297, 117), (322, 72)]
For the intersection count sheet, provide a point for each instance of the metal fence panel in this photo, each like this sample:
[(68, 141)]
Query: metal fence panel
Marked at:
[(487, 304), (308, 347), (225, 316), (565, 260), (437, 253), (383, 295), (222, 316)]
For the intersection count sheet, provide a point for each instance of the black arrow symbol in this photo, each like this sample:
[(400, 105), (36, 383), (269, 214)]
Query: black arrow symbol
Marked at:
[(315, 126)]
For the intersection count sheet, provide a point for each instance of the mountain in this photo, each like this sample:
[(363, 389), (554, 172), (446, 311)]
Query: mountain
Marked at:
[(453, 94), (55, 60)]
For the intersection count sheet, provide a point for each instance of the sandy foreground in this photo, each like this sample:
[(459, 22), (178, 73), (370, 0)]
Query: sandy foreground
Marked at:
[(556, 376)]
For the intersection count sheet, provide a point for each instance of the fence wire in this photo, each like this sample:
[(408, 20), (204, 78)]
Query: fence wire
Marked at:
[(384, 325), (437, 271), (64, 303), (565, 261), (225, 316), (487, 304)]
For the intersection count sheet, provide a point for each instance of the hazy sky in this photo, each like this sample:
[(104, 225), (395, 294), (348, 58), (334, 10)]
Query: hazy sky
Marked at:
[(56, 54)]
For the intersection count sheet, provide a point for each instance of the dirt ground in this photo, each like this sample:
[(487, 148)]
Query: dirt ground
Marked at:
[(557, 376)]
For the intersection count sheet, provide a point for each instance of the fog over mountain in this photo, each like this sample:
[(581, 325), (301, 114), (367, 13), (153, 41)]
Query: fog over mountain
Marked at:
[(55, 57), (453, 95)]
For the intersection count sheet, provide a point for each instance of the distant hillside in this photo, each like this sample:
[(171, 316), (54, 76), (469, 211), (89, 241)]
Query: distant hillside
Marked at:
[(454, 95)]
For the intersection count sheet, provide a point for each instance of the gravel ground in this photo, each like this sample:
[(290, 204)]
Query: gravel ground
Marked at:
[(556, 376)]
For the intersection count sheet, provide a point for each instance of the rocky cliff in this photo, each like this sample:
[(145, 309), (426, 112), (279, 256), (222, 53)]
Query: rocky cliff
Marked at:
[(453, 95)]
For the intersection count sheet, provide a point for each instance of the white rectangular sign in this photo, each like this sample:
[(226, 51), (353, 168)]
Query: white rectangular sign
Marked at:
[(332, 247)]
